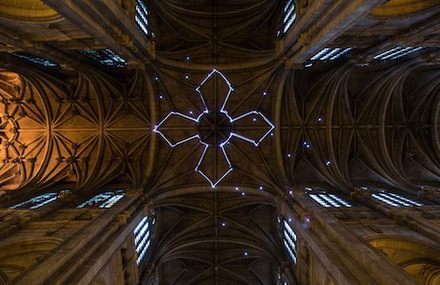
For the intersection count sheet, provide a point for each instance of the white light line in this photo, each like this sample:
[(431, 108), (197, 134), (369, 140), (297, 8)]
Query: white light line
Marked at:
[(222, 109), (197, 169), (172, 113), (201, 156), (256, 143)]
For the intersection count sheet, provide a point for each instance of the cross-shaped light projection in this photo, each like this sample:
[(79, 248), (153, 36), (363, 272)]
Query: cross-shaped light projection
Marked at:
[(214, 127)]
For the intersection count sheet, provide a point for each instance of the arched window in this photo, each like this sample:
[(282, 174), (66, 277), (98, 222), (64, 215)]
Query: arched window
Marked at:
[(142, 238), (34, 59), (329, 54), (38, 201), (289, 239), (142, 17), (396, 52), (105, 57), (391, 199), (395, 200), (103, 200), (325, 199), (289, 15)]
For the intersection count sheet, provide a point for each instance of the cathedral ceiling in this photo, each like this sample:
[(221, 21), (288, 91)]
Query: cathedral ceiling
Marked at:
[(336, 125)]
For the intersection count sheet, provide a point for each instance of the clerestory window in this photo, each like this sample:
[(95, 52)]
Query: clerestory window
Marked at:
[(142, 17), (330, 54), (34, 59), (395, 200), (397, 52), (142, 238), (325, 199), (391, 199), (105, 57), (289, 240), (38, 201), (103, 200), (289, 15)]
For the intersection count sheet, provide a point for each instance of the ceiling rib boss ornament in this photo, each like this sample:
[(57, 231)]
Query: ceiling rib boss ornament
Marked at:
[(214, 127)]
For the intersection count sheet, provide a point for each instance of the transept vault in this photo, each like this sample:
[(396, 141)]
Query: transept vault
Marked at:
[(220, 142)]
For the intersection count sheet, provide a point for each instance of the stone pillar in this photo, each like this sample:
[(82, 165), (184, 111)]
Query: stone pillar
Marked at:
[(409, 216), (81, 257), (352, 254)]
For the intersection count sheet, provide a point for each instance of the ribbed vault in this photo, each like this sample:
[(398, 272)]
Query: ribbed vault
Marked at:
[(338, 125)]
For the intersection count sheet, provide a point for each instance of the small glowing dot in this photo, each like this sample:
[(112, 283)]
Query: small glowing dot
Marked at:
[(246, 253), (161, 97), (328, 162), (254, 119), (289, 155), (307, 146), (271, 134), (223, 224), (190, 112), (290, 220), (319, 119), (243, 194), (156, 78), (187, 58), (264, 93), (304, 142), (236, 188), (290, 192), (261, 187), (186, 77)]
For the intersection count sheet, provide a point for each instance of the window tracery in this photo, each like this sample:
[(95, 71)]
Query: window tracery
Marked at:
[(397, 52), (105, 57), (103, 200), (34, 59), (391, 199), (142, 17), (289, 240), (289, 15), (325, 199), (39, 201), (142, 238)]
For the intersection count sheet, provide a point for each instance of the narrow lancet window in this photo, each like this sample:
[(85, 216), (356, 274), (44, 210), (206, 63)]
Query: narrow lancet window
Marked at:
[(289, 15), (142, 239), (289, 240), (142, 17)]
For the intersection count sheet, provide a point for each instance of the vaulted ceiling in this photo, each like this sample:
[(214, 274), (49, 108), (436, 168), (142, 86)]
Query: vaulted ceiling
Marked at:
[(337, 124)]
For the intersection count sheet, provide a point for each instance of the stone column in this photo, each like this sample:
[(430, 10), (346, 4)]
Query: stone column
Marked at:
[(409, 216), (79, 258), (366, 264)]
